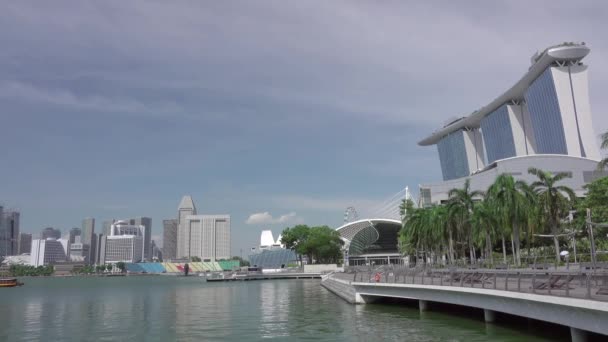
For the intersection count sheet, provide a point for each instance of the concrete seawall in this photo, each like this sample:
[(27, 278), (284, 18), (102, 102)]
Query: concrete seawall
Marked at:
[(581, 315), (340, 288)]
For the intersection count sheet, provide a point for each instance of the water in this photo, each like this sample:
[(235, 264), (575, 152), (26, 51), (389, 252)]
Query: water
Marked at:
[(159, 308)]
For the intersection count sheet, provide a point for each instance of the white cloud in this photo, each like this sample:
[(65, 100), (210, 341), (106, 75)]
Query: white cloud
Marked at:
[(266, 218)]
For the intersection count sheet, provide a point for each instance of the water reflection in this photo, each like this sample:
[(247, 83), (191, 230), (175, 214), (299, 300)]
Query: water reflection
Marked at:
[(188, 309)]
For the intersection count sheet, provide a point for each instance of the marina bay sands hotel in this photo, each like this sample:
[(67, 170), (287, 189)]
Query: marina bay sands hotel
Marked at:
[(542, 121)]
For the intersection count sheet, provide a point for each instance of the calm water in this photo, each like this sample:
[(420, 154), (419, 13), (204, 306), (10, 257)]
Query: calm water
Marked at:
[(158, 308)]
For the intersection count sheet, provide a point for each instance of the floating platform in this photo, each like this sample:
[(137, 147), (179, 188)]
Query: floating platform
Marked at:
[(268, 276)]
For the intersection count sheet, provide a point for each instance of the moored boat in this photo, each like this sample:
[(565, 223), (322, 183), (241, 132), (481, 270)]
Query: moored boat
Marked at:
[(9, 282)]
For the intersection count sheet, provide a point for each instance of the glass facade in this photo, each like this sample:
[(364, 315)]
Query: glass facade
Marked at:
[(498, 135), (453, 156), (545, 115)]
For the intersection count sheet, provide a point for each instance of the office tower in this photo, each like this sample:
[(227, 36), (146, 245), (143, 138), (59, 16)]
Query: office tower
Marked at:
[(50, 232), (25, 243), (106, 227), (74, 232), (88, 229), (186, 208), (47, 251), (209, 237), (125, 243), (169, 239), (147, 223), (9, 232)]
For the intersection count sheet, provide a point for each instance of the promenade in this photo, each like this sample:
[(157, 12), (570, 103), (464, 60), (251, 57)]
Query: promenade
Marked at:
[(576, 298)]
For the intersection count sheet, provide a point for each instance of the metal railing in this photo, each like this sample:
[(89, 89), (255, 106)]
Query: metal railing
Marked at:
[(584, 283)]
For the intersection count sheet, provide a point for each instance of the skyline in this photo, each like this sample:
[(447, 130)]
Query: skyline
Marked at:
[(249, 108)]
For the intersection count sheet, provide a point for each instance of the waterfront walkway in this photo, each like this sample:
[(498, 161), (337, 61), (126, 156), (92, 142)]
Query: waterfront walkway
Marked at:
[(576, 299)]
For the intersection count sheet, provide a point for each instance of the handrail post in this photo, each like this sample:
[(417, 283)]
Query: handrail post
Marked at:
[(461, 278), (518, 281), (507, 281), (495, 279), (534, 282), (451, 277), (588, 287), (549, 282), (568, 285)]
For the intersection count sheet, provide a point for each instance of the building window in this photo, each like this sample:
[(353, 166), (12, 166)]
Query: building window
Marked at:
[(453, 156), (498, 135), (545, 115)]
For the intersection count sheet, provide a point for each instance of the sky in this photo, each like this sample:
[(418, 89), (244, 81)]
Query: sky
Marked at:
[(275, 112)]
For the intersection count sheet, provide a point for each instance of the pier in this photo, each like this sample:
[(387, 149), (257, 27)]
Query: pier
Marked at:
[(577, 300)]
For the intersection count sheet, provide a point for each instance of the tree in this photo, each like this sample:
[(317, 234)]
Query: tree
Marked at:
[(109, 267), (604, 162), (554, 200), (511, 205), (241, 261), (485, 223), (321, 244), (596, 200), (295, 239), (460, 210), (195, 259), (121, 266)]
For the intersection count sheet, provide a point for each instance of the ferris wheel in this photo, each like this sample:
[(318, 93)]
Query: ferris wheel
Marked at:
[(350, 215)]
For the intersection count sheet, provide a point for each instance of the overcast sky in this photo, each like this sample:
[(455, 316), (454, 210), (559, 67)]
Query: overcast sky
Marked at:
[(275, 112)]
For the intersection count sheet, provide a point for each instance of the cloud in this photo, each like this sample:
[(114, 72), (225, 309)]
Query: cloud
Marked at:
[(266, 218)]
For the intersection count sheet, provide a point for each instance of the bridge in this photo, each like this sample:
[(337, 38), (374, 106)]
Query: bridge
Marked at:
[(577, 299)]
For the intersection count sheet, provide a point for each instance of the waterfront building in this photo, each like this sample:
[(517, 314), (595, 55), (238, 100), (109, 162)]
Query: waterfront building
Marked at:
[(25, 243), (125, 243), (147, 223), (542, 121), (74, 232), (47, 251), (186, 208), (9, 232), (50, 232), (207, 237), (169, 249), (271, 254), (79, 251)]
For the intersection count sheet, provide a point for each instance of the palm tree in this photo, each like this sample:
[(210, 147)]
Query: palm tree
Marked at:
[(553, 199), (460, 210), (484, 222), (512, 205), (604, 162)]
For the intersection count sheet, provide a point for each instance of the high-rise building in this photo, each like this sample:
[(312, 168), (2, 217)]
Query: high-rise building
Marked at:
[(25, 243), (50, 232), (157, 254), (47, 251), (107, 225), (169, 239), (9, 232), (208, 237), (543, 121), (147, 223), (125, 243), (78, 250), (88, 230), (100, 249), (74, 232), (186, 208)]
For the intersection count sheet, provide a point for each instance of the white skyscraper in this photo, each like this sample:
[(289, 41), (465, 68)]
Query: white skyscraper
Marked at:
[(186, 208), (209, 237), (125, 243)]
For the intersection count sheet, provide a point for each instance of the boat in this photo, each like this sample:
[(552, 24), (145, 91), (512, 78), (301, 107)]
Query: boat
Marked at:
[(9, 282)]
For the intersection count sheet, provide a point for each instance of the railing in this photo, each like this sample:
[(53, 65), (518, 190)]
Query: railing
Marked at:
[(584, 283)]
